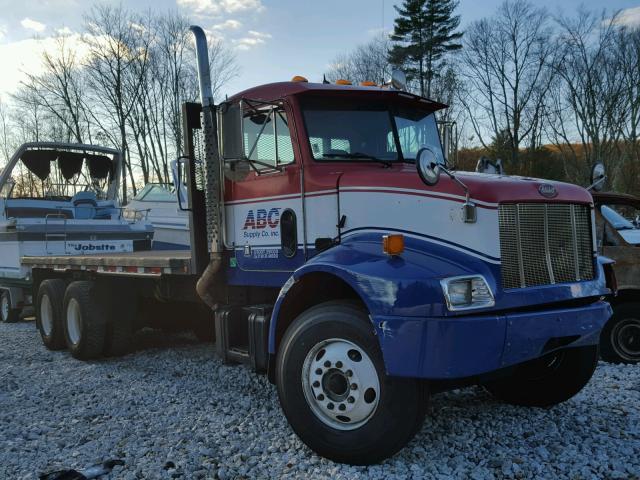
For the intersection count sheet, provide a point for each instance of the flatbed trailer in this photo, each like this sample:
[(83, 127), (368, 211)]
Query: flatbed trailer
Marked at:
[(152, 263)]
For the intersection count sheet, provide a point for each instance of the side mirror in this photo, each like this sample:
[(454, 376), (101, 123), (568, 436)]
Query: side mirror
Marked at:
[(398, 80), (598, 176), (427, 165)]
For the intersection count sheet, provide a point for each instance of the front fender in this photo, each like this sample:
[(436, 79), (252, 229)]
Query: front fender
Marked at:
[(406, 285)]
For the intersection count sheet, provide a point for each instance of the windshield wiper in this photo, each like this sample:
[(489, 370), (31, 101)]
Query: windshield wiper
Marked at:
[(358, 156)]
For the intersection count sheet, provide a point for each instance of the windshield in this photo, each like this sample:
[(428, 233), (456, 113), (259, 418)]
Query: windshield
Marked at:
[(369, 132), (616, 220), (154, 192)]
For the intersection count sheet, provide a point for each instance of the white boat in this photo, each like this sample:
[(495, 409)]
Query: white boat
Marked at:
[(159, 204), (60, 199)]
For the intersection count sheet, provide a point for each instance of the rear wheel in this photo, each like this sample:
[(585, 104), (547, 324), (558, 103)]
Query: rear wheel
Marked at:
[(334, 391), (620, 338), (8, 314), (85, 324), (549, 380), (49, 313)]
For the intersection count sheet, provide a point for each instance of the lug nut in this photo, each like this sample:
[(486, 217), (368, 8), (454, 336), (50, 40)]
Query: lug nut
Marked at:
[(349, 373), (330, 406), (354, 386), (316, 384), (327, 364), (318, 371), (320, 397), (351, 399), (338, 364), (342, 407)]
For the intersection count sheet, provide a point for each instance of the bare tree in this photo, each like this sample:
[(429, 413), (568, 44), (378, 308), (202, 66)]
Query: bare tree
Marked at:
[(59, 90), (588, 107), (118, 44), (368, 62), (627, 49), (505, 67)]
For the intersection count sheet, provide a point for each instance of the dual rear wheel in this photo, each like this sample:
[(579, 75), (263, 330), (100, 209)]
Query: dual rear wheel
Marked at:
[(80, 317)]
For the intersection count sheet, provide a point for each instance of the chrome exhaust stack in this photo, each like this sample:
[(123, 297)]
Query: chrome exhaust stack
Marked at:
[(213, 169)]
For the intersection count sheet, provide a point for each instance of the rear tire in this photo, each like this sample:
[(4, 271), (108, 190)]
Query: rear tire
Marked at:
[(548, 380), (334, 390), (50, 313), (8, 314), (620, 338), (85, 321)]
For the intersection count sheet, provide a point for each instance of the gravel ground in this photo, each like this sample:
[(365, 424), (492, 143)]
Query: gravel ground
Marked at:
[(172, 410)]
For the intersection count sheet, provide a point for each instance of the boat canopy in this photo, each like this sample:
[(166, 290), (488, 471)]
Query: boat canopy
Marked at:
[(70, 164)]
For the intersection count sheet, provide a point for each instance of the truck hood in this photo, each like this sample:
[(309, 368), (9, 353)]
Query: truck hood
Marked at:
[(483, 188)]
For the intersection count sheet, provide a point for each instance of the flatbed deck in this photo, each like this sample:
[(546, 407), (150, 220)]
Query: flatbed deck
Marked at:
[(151, 262)]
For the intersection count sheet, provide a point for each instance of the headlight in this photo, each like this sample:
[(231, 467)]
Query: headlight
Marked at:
[(464, 293)]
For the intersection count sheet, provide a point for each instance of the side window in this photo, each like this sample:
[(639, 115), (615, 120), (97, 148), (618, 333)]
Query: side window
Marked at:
[(267, 138)]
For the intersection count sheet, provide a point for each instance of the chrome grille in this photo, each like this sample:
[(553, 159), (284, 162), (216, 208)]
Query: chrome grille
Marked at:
[(545, 243)]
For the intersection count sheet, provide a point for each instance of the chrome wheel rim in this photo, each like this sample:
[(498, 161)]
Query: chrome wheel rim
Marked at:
[(341, 384), (625, 338), (73, 321), (5, 307), (46, 315)]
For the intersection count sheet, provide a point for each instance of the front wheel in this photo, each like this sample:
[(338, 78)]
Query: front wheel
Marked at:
[(335, 393), (620, 338), (548, 380)]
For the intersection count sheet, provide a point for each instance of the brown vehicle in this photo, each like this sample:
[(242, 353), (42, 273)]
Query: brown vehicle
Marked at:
[(618, 237)]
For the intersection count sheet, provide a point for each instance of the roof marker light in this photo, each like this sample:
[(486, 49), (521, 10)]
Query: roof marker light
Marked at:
[(299, 78), (343, 82), (368, 83)]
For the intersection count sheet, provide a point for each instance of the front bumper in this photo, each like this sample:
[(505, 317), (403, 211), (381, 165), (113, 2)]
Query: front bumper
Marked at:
[(458, 347)]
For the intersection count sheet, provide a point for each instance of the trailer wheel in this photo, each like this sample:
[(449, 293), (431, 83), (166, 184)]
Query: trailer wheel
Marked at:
[(8, 314), (84, 324), (548, 380), (49, 313), (620, 338), (334, 391)]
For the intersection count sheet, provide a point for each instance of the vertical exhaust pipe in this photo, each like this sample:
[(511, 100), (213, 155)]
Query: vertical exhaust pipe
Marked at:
[(206, 284)]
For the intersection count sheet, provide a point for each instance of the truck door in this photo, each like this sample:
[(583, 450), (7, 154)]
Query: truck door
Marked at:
[(263, 204)]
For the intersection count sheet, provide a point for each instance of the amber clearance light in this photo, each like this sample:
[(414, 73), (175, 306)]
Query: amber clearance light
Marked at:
[(393, 244), (343, 82), (299, 78)]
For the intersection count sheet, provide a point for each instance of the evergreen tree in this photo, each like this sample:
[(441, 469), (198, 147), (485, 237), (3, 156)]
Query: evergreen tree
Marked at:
[(424, 32)]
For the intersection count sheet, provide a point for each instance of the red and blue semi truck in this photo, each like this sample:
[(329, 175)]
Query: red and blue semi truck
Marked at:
[(332, 249)]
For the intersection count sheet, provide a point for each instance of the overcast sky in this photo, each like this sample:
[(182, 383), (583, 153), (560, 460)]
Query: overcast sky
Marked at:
[(274, 39)]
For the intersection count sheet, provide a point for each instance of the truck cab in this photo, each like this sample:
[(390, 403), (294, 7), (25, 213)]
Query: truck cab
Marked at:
[(618, 238)]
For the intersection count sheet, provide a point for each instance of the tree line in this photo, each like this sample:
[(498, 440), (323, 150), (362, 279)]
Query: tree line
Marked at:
[(549, 95), (120, 82)]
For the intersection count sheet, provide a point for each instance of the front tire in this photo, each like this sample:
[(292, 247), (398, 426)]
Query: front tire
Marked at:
[(85, 321), (620, 338), (8, 314), (50, 313), (334, 391), (549, 380)]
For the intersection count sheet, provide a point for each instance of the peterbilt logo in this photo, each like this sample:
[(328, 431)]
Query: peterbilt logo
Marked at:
[(547, 190)]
